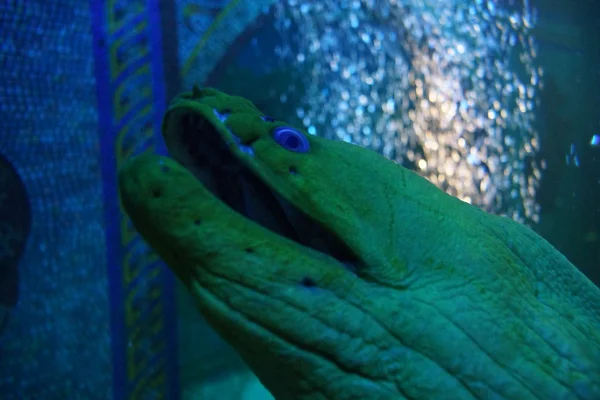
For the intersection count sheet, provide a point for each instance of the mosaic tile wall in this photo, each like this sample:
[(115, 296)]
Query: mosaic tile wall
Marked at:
[(207, 28), (56, 344)]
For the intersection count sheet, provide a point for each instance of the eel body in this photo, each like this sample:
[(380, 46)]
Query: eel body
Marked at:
[(337, 274)]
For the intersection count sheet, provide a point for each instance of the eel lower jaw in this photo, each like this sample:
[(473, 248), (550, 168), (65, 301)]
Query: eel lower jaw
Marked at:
[(196, 143)]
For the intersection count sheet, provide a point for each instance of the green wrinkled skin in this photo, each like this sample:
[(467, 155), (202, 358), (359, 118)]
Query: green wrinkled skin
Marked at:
[(449, 302)]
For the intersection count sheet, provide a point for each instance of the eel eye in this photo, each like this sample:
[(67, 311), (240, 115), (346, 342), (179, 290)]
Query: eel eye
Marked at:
[(290, 139), (268, 119)]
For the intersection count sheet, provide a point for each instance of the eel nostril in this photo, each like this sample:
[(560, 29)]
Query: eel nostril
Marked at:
[(156, 192)]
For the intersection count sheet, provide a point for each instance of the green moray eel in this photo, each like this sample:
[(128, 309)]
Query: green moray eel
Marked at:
[(338, 274)]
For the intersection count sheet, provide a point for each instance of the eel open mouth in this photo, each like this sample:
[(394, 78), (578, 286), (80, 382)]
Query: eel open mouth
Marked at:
[(196, 143)]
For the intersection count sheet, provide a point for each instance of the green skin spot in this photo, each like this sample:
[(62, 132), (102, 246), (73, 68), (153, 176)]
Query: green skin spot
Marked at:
[(448, 302)]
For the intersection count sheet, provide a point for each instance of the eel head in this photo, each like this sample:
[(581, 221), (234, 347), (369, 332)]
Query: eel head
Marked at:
[(338, 274)]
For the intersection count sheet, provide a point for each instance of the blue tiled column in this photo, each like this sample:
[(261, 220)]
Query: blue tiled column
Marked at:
[(131, 101)]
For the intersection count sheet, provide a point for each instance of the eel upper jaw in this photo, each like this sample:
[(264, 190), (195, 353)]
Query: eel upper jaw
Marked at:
[(198, 142)]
